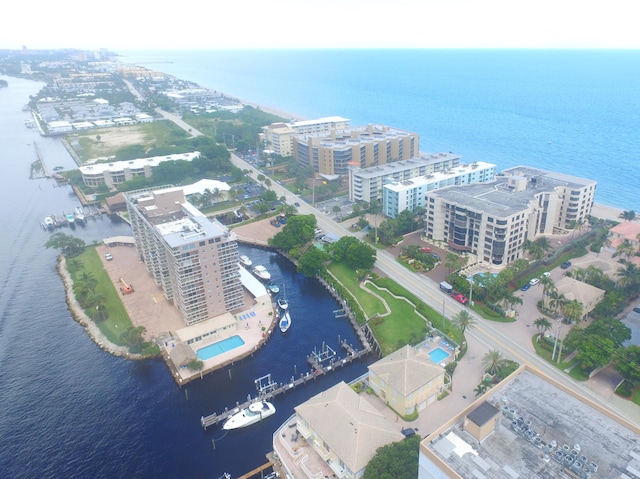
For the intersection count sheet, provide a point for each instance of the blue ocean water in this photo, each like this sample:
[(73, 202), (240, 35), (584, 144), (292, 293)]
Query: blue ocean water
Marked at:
[(573, 111), (69, 409)]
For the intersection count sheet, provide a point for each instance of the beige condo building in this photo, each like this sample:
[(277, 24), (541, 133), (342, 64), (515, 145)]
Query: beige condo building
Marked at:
[(336, 151), (492, 220), (193, 259)]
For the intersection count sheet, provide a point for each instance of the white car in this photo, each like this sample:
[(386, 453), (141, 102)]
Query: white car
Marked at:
[(534, 281), (546, 274)]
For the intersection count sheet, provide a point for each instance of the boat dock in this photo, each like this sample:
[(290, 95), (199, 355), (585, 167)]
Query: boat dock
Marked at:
[(322, 362)]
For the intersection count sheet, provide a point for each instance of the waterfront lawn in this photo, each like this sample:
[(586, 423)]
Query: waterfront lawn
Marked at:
[(369, 303), (145, 136), (402, 326), (118, 320)]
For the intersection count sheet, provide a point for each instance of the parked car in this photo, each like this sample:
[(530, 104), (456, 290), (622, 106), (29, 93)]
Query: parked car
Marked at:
[(426, 250), (525, 287), (636, 309), (459, 297), (108, 256), (534, 281), (566, 265), (546, 274)]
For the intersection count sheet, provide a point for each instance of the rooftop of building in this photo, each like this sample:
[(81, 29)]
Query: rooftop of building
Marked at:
[(100, 168), (530, 401), (354, 135), (407, 369), (424, 159), (437, 177), (495, 198), (328, 119), (190, 228), (548, 179)]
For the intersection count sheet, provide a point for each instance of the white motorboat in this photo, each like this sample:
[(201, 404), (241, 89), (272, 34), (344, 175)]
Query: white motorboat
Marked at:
[(78, 213), (252, 414), (262, 273), (244, 259), (49, 223), (285, 322), (283, 303)]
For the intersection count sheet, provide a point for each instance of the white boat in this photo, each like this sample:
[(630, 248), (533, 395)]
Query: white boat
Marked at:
[(274, 289), (244, 259), (252, 414), (261, 272), (283, 304), (49, 223), (79, 214), (285, 322)]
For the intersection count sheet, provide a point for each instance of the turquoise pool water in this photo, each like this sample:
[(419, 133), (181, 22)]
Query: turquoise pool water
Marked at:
[(220, 347), (438, 355), (470, 278)]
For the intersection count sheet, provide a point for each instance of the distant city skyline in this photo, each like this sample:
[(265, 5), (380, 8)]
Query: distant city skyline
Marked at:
[(288, 24)]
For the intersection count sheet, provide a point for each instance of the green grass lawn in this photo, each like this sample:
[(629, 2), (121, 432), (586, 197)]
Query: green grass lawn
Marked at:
[(118, 320), (402, 326), (369, 303), (150, 135)]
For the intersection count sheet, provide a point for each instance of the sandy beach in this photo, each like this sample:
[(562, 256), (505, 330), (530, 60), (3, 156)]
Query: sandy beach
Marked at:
[(606, 212)]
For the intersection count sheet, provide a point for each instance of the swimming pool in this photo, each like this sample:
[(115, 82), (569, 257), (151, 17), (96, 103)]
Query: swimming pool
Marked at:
[(438, 355), (470, 278), (220, 347)]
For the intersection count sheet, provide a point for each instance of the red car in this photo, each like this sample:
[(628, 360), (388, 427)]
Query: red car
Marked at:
[(459, 297), (426, 250)]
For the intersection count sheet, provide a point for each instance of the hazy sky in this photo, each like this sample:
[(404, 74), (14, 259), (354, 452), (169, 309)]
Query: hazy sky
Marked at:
[(144, 24)]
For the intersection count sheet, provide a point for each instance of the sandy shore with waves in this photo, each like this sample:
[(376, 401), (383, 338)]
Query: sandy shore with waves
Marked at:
[(606, 212)]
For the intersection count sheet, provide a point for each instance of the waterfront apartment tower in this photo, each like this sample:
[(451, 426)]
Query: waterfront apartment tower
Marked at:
[(335, 152), (365, 184), (492, 220), (278, 137), (193, 259), (409, 194)]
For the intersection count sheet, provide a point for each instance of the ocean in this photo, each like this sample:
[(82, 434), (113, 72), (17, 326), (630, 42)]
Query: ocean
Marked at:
[(572, 111), (69, 409)]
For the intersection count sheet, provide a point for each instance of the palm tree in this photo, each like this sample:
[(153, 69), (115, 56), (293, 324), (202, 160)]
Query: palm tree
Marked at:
[(543, 326), (463, 320), (493, 362), (629, 279), (481, 389), (625, 249), (557, 301), (547, 285), (573, 310), (628, 215)]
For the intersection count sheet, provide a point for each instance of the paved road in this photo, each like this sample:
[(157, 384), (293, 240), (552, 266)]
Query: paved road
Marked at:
[(485, 334)]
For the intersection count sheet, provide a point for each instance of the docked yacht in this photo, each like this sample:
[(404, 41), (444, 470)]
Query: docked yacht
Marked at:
[(262, 273), (251, 414), (245, 261)]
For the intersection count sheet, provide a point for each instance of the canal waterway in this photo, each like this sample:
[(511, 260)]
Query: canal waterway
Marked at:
[(70, 409)]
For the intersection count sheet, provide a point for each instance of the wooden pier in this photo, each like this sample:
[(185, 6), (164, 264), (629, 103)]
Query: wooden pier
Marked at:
[(321, 363)]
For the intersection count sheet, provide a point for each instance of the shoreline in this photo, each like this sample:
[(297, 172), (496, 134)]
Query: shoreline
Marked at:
[(87, 323), (606, 212)]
